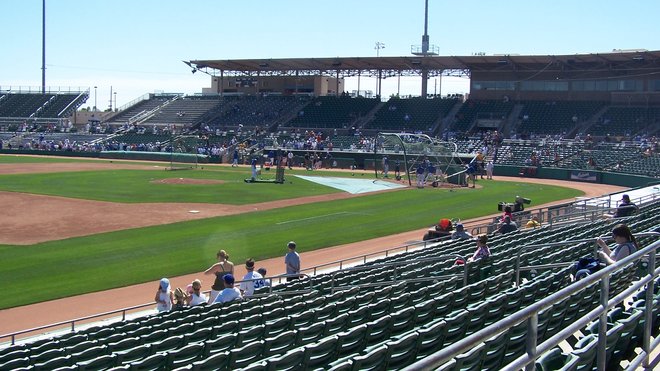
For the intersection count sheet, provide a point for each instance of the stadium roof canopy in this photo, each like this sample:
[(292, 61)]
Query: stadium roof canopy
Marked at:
[(434, 65)]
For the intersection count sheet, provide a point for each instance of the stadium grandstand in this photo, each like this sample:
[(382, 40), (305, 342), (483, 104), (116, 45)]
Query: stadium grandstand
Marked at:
[(589, 118)]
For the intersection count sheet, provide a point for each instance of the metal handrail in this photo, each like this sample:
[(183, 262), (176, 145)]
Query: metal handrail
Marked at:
[(526, 248), (125, 310), (530, 314)]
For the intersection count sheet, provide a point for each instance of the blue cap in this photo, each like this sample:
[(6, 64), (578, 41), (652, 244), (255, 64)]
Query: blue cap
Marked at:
[(228, 278)]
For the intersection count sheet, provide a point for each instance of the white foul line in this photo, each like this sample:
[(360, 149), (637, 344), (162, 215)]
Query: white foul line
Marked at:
[(315, 217)]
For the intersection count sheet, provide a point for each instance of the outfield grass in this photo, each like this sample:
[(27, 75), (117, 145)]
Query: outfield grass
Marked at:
[(79, 265)]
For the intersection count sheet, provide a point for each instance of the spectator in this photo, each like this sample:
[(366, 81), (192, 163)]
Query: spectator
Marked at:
[(292, 261), (196, 297), (482, 249), (533, 222), (219, 269), (625, 208), (252, 280), (460, 233), (262, 271), (507, 226), (230, 293), (625, 245), (180, 298), (164, 296)]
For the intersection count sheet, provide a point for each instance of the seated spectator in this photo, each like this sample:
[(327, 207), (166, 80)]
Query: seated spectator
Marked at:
[(252, 280), (625, 245), (482, 249), (460, 233), (180, 299), (507, 226), (196, 297), (533, 222), (230, 292), (262, 271), (625, 208), (164, 296)]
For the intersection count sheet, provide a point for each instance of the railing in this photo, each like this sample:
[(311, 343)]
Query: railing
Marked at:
[(526, 248), (124, 311), (530, 314)]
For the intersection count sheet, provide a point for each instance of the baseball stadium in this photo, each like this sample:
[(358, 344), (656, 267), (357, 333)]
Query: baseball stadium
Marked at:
[(541, 166)]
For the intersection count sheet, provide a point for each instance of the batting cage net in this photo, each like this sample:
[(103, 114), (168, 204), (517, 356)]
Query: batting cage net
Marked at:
[(183, 152), (409, 153)]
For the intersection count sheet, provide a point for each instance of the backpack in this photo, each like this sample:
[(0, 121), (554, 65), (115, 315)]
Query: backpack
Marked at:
[(587, 266)]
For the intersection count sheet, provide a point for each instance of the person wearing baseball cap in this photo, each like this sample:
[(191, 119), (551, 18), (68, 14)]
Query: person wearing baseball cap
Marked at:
[(292, 261), (460, 233), (625, 208), (230, 293)]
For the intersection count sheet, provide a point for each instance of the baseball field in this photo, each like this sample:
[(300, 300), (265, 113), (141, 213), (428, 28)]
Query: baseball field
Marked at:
[(77, 226)]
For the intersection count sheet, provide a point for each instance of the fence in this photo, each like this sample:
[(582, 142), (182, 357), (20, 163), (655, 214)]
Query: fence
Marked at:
[(531, 315)]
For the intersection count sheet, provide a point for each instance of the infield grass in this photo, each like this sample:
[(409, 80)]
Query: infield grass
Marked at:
[(80, 265)]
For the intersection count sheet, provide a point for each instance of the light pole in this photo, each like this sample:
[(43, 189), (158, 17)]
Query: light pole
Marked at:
[(378, 47), (95, 99), (115, 100)]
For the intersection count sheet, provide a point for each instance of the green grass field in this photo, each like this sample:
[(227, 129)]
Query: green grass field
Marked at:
[(73, 266)]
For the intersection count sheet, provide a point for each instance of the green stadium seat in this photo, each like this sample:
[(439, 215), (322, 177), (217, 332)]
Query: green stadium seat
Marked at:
[(496, 348), (325, 312), (374, 360), (358, 316), (47, 355), (279, 343), (456, 326), (352, 340), (154, 337), (227, 327), (99, 363), (72, 340), (403, 320), (278, 325), (52, 363), (402, 351), (18, 352), (556, 360), (320, 353), (15, 363), (308, 334), (245, 355), (336, 324), (379, 330), (472, 359), (217, 361), (186, 355), (220, 344), (182, 329), (424, 312), (302, 319), (169, 344), (291, 360), (431, 338), (250, 321), (199, 335), (134, 354), (158, 361), (124, 344), (249, 335), (585, 349), (139, 332)]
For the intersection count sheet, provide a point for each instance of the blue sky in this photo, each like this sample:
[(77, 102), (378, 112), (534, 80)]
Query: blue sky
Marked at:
[(136, 46)]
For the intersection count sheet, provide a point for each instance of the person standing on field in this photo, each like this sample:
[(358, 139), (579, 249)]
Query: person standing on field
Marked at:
[(292, 261)]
